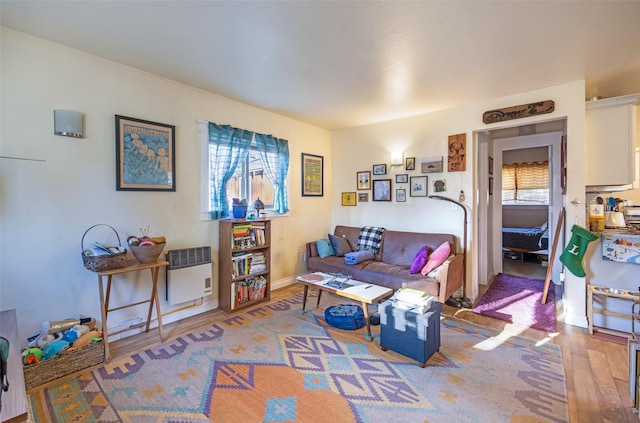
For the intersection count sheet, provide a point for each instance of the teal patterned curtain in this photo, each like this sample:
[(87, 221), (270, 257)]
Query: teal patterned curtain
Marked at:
[(276, 167), (228, 148)]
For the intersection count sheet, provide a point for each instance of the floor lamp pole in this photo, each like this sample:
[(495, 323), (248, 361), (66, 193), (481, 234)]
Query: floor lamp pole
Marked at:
[(462, 302)]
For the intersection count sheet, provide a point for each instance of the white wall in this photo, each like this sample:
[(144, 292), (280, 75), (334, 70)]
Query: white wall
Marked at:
[(65, 185), (358, 149)]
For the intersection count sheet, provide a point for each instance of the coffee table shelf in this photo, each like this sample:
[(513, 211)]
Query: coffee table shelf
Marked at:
[(363, 292)]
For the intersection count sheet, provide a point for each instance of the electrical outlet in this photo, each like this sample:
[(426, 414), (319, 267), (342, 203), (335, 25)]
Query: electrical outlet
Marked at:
[(561, 276), (302, 257)]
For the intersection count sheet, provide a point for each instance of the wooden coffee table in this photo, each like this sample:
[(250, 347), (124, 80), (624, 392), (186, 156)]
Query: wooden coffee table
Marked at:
[(342, 286)]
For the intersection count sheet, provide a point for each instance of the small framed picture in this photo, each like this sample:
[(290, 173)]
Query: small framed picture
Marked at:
[(401, 195), (363, 197), (382, 190), (439, 185), (348, 198), (431, 165), (363, 179), (402, 178), (418, 186), (380, 169), (410, 163)]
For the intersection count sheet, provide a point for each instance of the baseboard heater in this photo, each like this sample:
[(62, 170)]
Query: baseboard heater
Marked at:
[(188, 274)]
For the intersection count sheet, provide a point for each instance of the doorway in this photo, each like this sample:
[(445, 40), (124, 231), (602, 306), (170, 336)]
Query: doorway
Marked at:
[(492, 146)]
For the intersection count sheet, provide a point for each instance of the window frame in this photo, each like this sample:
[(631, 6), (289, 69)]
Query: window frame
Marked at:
[(205, 194)]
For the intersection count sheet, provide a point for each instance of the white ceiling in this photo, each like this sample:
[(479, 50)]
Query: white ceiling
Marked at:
[(339, 64)]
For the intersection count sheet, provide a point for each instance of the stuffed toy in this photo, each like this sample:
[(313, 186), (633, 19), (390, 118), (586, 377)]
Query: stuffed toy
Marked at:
[(32, 355), (54, 349), (85, 339)]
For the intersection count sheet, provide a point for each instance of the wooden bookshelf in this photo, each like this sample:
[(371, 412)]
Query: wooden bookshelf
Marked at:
[(245, 263)]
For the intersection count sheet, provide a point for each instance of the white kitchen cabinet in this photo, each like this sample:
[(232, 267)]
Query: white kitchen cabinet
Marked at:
[(611, 139)]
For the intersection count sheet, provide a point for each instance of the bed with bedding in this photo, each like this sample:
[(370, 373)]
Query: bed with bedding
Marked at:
[(530, 239)]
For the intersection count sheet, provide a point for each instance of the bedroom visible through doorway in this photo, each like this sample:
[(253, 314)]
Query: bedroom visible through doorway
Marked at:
[(544, 139)]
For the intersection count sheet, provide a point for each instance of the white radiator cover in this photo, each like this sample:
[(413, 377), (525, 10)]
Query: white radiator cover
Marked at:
[(188, 274)]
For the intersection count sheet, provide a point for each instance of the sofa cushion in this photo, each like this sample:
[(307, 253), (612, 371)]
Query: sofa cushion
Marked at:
[(333, 264), (351, 233), (438, 257), (324, 248), (340, 245), (396, 277), (401, 247), (419, 260)]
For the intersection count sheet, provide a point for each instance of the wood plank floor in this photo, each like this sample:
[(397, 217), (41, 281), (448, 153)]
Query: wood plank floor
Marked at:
[(596, 369)]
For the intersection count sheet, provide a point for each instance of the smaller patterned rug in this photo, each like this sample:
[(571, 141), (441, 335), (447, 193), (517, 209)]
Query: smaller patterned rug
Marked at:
[(519, 300)]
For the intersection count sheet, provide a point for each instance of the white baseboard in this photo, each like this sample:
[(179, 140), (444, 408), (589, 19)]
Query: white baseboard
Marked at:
[(576, 320), (207, 305)]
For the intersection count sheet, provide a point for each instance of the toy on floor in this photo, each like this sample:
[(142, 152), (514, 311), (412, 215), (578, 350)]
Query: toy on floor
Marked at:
[(85, 339), (54, 349), (32, 355)]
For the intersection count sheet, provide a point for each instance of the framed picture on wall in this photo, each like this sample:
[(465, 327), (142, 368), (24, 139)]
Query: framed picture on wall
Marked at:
[(410, 163), (363, 180), (401, 195), (402, 178), (380, 169), (431, 165), (382, 190), (145, 155), (348, 198), (312, 175), (439, 185), (363, 197), (418, 186)]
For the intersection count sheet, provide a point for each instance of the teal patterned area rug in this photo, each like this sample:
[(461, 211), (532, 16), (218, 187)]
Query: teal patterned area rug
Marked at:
[(275, 364)]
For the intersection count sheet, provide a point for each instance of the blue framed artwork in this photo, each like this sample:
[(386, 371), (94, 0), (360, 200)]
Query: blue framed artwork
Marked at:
[(145, 155)]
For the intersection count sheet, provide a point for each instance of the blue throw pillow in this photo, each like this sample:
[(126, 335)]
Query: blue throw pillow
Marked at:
[(324, 248)]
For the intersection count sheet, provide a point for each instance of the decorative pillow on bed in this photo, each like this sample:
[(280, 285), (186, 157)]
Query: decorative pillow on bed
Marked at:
[(436, 258), (419, 260), (324, 248), (340, 245)]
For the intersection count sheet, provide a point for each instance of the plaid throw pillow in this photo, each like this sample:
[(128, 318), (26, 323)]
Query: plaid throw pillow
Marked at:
[(370, 239)]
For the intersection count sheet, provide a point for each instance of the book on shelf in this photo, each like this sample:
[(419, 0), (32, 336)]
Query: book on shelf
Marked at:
[(258, 263), (248, 236), (247, 290)]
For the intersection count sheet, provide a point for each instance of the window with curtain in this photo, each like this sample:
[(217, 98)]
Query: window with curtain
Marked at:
[(246, 165), (525, 183)]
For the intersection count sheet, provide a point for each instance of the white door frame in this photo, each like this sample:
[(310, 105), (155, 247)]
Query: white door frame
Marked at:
[(489, 224)]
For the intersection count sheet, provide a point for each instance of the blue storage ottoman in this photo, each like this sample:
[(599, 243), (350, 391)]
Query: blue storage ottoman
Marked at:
[(411, 334)]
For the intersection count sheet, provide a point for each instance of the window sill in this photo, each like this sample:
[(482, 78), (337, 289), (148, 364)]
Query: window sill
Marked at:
[(204, 216)]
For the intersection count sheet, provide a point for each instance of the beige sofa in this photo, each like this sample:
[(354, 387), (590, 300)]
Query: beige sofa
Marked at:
[(391, 266)]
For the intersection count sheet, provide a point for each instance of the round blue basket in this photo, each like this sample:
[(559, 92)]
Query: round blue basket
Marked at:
[(239, 212)]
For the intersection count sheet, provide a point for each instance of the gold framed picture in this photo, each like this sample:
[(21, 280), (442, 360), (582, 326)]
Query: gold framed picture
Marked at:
[(348, 198), (363, 179)]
